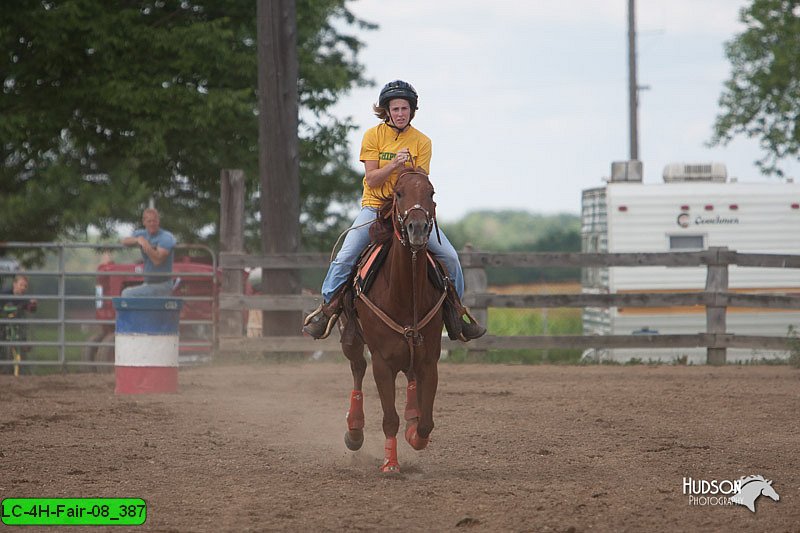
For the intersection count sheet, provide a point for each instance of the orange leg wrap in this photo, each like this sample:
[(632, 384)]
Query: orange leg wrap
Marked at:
[(416, 442), (355, 415), (412, 410), (390, 464)]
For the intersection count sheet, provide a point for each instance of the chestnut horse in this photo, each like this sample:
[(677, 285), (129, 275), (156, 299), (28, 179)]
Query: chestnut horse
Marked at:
[(401, 320)]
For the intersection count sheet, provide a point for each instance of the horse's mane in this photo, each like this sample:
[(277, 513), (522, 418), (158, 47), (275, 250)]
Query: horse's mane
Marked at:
[(745, 480), (383, 230)]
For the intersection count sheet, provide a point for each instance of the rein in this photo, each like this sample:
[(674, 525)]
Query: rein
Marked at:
[(341, 236), (411, 333)]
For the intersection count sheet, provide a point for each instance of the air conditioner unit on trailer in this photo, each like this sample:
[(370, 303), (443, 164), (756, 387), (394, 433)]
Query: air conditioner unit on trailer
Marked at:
[(689, 172)]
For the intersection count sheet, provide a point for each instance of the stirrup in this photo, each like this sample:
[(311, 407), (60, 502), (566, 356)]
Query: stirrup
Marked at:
[(479, 331), (312, 314), (312, 327)]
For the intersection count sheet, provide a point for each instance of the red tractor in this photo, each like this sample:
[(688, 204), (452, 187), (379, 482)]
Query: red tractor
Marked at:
[(194, 283)]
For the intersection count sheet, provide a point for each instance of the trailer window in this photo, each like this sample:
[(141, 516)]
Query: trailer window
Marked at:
[(686, 242)]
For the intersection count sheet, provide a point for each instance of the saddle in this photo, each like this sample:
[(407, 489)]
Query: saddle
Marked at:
[(363, 276)]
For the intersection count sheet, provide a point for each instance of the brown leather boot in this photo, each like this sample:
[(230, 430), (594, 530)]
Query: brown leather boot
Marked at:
[(453, 311), (321, 320)]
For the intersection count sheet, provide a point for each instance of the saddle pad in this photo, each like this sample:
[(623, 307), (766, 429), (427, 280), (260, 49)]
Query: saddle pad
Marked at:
[(369, 260), (368, 265), (373, 257)]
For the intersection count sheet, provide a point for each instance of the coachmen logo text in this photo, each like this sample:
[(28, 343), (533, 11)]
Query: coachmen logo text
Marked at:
[(684, 220)]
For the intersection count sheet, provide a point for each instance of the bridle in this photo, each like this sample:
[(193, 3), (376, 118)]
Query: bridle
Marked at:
[(401, 219), (411, 333), (402, 233)]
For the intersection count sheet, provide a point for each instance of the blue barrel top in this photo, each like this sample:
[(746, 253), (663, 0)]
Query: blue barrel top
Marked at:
[(148, 316)]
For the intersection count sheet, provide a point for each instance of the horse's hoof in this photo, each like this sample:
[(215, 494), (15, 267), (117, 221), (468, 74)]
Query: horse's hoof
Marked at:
[(390, 468), (353, 439)]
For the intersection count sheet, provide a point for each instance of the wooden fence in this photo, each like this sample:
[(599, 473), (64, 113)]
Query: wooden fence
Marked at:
[(716, 298)]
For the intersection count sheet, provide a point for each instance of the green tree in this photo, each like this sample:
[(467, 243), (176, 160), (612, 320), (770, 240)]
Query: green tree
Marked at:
[(106, 104), (519, 231), (515, 231), (762, 96)]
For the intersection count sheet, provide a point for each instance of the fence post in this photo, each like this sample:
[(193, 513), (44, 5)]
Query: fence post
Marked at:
[(231, 240), (716, 323), (475, 282)]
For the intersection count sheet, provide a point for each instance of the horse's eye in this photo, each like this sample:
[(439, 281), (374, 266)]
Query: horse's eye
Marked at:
[(398, 194)]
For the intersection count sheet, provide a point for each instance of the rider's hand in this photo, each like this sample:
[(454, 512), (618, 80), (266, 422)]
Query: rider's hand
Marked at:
[(403, 156)]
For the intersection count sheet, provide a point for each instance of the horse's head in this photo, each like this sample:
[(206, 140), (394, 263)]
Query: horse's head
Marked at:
[(414, 210), (769, 492), (751, 487)]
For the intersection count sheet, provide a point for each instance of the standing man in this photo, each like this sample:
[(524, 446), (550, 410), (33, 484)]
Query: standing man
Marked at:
[(157, 246), (13, 305)]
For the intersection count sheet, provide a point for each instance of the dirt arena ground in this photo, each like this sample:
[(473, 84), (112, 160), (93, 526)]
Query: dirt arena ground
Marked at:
[(258, 447)]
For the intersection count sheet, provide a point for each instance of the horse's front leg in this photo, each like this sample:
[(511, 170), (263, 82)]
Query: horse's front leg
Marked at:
[(354, 436), (411, 414), (427, 381), (384, 379)]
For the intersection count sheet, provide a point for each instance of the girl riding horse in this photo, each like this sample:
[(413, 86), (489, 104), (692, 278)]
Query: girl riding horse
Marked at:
[(386, 149)]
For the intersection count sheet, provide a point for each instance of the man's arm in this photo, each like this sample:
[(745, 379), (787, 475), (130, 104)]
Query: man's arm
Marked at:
[(157, 255)]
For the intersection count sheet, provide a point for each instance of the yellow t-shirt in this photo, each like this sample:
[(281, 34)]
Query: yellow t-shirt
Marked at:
[(381, 143)]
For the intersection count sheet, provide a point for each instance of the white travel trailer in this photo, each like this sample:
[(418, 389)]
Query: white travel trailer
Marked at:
[(695, 208)]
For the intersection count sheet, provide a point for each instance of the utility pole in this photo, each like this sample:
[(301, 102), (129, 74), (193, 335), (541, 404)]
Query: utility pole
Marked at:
[(633, 88)]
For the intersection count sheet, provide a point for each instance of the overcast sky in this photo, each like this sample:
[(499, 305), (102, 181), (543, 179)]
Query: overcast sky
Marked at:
[(526, 100)]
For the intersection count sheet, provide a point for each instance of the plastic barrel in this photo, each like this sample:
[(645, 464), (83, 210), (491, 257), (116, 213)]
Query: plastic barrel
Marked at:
[(146, 345)]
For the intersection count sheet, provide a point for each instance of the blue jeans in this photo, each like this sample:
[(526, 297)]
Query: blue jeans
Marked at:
[(357, 239), (163, 288)]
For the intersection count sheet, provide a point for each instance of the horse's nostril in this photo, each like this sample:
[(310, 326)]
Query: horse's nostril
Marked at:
[(417, 227)]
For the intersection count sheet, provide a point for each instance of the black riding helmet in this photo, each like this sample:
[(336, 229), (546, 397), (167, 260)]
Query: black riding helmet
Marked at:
[(398, 89)]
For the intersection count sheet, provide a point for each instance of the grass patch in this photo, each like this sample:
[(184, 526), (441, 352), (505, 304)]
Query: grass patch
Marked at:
[(523, 322)]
